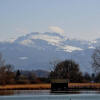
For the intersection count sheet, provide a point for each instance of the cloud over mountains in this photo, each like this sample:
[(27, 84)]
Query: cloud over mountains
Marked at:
[(57, 29)]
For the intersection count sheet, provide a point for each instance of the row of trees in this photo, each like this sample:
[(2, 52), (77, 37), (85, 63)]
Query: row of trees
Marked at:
[(67, 69), (10, 76)]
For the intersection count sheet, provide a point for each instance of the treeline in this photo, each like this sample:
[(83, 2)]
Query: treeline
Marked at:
[(71, 72), (9, 76)]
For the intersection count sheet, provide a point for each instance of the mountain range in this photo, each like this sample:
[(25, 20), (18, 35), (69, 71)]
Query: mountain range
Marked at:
[(40, 50)]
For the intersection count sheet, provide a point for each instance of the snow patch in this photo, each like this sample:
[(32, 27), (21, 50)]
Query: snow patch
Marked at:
[(70, 48), (23, 58), (91, 47), (94, 41), (27, 42)]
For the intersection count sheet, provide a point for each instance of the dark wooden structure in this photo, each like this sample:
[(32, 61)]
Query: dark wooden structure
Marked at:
[(59, 85)]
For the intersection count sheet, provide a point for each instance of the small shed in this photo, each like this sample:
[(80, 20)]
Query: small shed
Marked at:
[(59, 85)]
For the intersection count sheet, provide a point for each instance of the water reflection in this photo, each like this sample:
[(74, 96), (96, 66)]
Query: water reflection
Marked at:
[(6, 92), (42, 92), (24, 92)]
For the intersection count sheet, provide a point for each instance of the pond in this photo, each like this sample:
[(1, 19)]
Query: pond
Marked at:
[(46, 95)]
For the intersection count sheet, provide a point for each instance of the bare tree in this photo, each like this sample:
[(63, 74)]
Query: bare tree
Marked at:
[(2, 62), (67, 69), (53, 64), (6, 72), (96, 60)]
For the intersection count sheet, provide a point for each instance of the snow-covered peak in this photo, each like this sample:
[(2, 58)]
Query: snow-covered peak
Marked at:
[(43, 40), (51, 38)]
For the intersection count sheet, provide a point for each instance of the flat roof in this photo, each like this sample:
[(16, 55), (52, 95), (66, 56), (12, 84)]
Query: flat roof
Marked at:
[(59, 80)]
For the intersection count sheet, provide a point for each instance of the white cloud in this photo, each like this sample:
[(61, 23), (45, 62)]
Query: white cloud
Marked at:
[(57, 30), (21, 31)]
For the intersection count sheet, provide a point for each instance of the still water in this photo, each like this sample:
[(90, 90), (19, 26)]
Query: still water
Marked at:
[(46, 95)]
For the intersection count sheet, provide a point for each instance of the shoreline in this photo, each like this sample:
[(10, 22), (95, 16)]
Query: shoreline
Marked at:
[(71, 86)]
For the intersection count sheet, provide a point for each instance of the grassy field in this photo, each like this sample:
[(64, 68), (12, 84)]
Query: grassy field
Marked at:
[(48, 86), (25, 86), (84, 85)]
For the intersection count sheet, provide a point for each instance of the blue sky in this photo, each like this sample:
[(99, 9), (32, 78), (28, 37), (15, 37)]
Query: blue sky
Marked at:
[(75, 18)]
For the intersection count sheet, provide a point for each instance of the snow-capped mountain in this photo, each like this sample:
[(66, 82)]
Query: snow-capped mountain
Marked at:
[(62, 43), (37, 50)]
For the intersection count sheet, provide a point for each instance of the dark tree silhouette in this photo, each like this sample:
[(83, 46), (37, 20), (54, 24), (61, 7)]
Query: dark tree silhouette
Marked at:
[(17, 74), (67, 69), (97, 78), (87, 77), (96, 60)]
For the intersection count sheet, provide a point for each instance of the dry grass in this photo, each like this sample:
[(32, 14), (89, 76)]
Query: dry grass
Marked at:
[(84, 85), (48, 86), (25, 86)]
